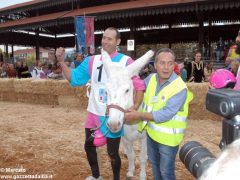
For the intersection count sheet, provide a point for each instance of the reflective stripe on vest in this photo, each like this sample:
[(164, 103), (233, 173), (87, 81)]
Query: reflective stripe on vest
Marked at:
[(146, 107), (176, 117), (166, 130)]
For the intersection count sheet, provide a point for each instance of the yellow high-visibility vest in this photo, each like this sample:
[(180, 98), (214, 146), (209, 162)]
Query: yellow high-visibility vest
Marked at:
[(232, 52), (171, 132)]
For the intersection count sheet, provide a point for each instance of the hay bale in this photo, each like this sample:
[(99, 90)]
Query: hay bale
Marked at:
[(69, 101), (59, 92), (42, 86), (78, 99), (47, 99), (23, 85), (24, 97), (8, 96), (6, 85), (81, 94), (197, 108), (62, 87), (199, 91), (37, 98)]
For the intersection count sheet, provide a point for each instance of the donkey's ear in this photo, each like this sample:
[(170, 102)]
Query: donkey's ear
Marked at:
[(137, 65), (106, 59)]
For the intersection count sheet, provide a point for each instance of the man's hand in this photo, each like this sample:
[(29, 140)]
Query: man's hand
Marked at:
[(132, 116), (137, 116), (60, 53)]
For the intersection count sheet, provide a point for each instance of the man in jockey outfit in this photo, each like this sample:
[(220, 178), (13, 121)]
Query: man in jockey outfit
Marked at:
[(164, 115), (92, 69)]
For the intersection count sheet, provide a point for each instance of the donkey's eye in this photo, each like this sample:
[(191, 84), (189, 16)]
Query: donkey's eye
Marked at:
[(127, 91)]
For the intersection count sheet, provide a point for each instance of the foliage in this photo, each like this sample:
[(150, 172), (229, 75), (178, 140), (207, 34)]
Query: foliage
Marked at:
[(31, 60)]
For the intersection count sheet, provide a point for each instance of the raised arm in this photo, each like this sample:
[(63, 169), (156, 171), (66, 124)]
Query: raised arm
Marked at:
[(60, 53)]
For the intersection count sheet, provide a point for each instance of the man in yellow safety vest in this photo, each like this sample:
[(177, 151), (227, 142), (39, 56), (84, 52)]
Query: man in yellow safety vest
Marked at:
[(164, 115)]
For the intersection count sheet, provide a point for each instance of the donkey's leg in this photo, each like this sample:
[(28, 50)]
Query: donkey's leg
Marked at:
[(128, 146), (143, 156)]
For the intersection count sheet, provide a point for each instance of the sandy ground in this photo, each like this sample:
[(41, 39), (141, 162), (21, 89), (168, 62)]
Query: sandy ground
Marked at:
[(47, 142)]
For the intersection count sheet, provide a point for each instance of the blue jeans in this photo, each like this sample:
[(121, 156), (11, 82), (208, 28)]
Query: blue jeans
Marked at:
[(162, 158)]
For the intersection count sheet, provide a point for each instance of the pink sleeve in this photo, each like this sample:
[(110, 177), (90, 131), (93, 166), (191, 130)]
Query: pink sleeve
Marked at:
[(137, 82), (237, 85), (90, 65)]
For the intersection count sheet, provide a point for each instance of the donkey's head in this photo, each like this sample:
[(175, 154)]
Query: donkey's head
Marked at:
[(119, 87)]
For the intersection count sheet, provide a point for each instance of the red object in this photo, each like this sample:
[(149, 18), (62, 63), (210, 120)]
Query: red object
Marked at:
[(176, 69)]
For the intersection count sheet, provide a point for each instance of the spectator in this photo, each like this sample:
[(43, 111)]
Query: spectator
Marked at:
[(220, 49), (23, 70), (18, 66), (49, 69), (147, 69), (77, 61), (237, 86), (208, 70), (234, 67), (184, 72), (38, 72), (234, 51), (11, 72), (228, 63), (197, 69), (56, 72), (3, 69)]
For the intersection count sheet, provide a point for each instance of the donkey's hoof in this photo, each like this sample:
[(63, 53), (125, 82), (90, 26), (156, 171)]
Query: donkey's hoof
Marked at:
[(143, 176), (128, 178), (130, 174)]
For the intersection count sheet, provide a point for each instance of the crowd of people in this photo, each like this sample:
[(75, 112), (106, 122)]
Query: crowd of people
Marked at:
[(197, 71), (41, 69)]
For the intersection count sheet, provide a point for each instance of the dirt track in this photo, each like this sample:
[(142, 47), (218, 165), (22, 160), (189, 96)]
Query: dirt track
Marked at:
[(47, 140)]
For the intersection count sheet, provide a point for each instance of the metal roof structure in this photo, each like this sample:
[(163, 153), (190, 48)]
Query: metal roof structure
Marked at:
[(150, 21)]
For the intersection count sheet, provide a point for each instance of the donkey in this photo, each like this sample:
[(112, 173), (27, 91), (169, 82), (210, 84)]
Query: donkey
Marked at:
[(120, 95)]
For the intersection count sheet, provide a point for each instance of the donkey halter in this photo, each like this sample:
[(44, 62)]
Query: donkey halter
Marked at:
[(114, 106)]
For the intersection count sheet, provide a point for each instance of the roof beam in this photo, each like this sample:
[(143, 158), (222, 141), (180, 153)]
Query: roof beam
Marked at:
[(94, 10)]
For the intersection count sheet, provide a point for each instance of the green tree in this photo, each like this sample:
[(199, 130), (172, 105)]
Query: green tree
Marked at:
[(31, 60)]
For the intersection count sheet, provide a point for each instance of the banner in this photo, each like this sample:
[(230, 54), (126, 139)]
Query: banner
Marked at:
[(84, 27)]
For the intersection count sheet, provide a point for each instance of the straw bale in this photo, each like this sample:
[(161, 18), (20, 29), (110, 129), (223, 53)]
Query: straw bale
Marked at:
[(78, 99), (59, 92), (62, 87), (197, 108), (8, 96), (23, 85), (81, 94), (45, 99), (42, 86), (37, 98), (69, 101), (6, 85), (24, 97)]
